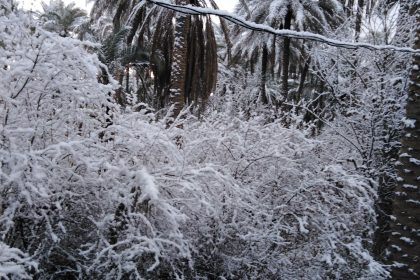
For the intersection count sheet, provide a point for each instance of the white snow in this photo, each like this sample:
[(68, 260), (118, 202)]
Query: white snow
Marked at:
[(407, 240), (409, 123), (408, 186), (415, 161)]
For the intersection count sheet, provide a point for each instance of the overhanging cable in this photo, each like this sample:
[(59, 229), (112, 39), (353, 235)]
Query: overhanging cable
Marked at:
[(193, 10)]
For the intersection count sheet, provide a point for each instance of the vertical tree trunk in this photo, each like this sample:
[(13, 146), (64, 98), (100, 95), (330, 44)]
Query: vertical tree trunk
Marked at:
[(279, 71), (273, 57), (405, 227), (303, 75), (119, 93), (359, 18), (349, 7), (286, 56), (179, 61), (264, 61), (127, 79)]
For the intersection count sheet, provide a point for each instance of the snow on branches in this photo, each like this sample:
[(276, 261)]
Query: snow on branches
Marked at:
[(87, 194)]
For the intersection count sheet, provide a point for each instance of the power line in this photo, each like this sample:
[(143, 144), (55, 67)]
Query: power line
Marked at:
[(193, 10)]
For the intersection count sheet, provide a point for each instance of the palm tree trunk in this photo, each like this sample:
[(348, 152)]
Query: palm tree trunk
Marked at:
[(359, 17), (264, 61), (179, 62), (405, 227), (286, 56), (127, 79), (303, 75), (273, 57), (119, 93), (349, 7)]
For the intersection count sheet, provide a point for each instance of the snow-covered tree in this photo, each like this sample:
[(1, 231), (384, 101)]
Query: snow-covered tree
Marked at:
[(303, 15), (62, 18), (404, 245), (152, 33)]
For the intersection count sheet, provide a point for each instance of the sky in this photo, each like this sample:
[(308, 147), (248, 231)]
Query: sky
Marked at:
[(226, 4), (36, 4)]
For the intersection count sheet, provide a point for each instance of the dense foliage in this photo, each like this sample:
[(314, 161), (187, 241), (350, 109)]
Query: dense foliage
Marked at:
[(99, 180)]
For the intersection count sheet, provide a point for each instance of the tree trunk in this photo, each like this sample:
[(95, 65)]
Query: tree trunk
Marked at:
[(273, 58), (303, 75), (405, 226), (349, 7), (127, 79), (119, 93), (359, 17), (264, 61), (286, 56), (179, 61)]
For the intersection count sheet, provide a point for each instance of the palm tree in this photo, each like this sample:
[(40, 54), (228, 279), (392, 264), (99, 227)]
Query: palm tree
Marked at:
[(200, 59), (152, 31), (310, 15), (179, 61), (117, 56), (62, 18)]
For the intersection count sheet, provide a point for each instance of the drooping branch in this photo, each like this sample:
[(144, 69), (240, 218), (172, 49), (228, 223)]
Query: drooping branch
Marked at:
[(193, 10)]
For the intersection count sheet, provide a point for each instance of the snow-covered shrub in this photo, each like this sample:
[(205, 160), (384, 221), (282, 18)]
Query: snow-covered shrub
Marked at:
[(79, 205), (14, 264), (70, 201), (91, 195), (298, 211), (51, 104), (252, 199)]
